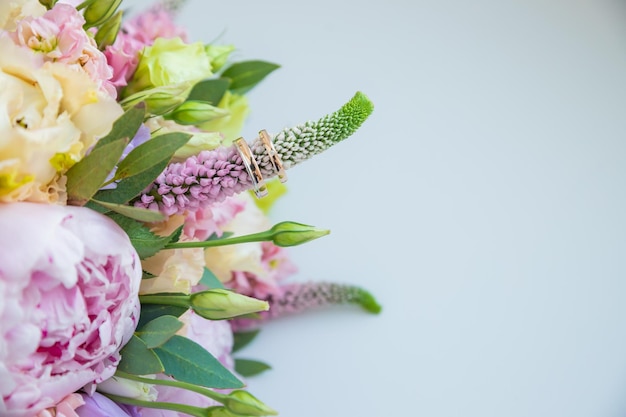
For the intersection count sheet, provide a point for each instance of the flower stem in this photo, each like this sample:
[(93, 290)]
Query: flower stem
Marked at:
[(181, 408), (255, 237), (177, 384), (178, 300)]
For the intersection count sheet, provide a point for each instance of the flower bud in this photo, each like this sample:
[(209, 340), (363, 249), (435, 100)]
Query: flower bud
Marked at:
[(218, 304), (127, 388), (100, 11), (242, 402), (193, 112), (292, 233), (48, 4), (160, 100), (108, 31)]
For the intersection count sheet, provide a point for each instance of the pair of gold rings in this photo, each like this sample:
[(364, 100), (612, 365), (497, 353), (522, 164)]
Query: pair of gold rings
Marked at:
[(260, 188)]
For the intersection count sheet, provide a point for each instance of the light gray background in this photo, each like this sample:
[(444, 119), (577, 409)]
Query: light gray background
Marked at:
[(483, 203)]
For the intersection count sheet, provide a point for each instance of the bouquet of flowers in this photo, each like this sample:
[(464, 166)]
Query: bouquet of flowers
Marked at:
[(136, 254)]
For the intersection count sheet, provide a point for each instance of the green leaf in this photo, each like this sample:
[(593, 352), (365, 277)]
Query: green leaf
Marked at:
[(187, 361), (137, 359), (150, 312), (249, 367), (143, 240), (158, 331), (211, 91), (210, 280), (88, 175), (157, 151), (129, 188), (245, 75), (147, 275), (143, 215), (243, 339)]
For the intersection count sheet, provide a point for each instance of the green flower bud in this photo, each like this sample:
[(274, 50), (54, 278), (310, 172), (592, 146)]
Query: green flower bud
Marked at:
[(243, 403), (159, 100), (292, 233), (218, 304), (193, 112), (108, 31), (100, 11), (48, 4)]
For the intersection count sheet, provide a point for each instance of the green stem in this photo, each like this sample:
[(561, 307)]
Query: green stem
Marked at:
[(178, 300), (177, 384), (255, 237), (181, 408)]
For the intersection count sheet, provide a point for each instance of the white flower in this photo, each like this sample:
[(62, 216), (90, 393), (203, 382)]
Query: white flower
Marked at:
[(12, 11), (49, 116)]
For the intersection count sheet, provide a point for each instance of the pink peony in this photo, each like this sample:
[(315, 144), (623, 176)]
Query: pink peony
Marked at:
[(65, 408), (69, 279)]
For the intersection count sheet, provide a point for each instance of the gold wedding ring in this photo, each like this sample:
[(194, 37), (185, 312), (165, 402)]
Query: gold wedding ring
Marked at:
[(274, 158), (260, 188)]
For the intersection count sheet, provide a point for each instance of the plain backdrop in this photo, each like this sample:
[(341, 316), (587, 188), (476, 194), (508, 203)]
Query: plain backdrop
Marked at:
[(483, 203)]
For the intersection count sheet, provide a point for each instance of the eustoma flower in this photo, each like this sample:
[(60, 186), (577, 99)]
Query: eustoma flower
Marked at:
[(69, 279), (58, 36), (50, 115)]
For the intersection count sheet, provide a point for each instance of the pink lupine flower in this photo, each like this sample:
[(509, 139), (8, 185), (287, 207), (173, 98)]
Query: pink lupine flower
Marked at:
[(296, 298), (59, 36), (69, 279)]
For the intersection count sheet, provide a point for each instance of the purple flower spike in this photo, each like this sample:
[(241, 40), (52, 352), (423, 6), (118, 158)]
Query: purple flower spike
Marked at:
[(297, 298), (211, 176)]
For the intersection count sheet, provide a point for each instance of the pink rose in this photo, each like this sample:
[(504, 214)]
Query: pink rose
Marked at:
[(69, 279)]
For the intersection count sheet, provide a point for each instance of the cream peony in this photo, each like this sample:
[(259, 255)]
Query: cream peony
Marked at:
[(49, 116)]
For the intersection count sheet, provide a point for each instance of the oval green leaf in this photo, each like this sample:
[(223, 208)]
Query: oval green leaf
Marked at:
[(158, 331), (187, 361), (137, 359), (245, 75), (158, 150)]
